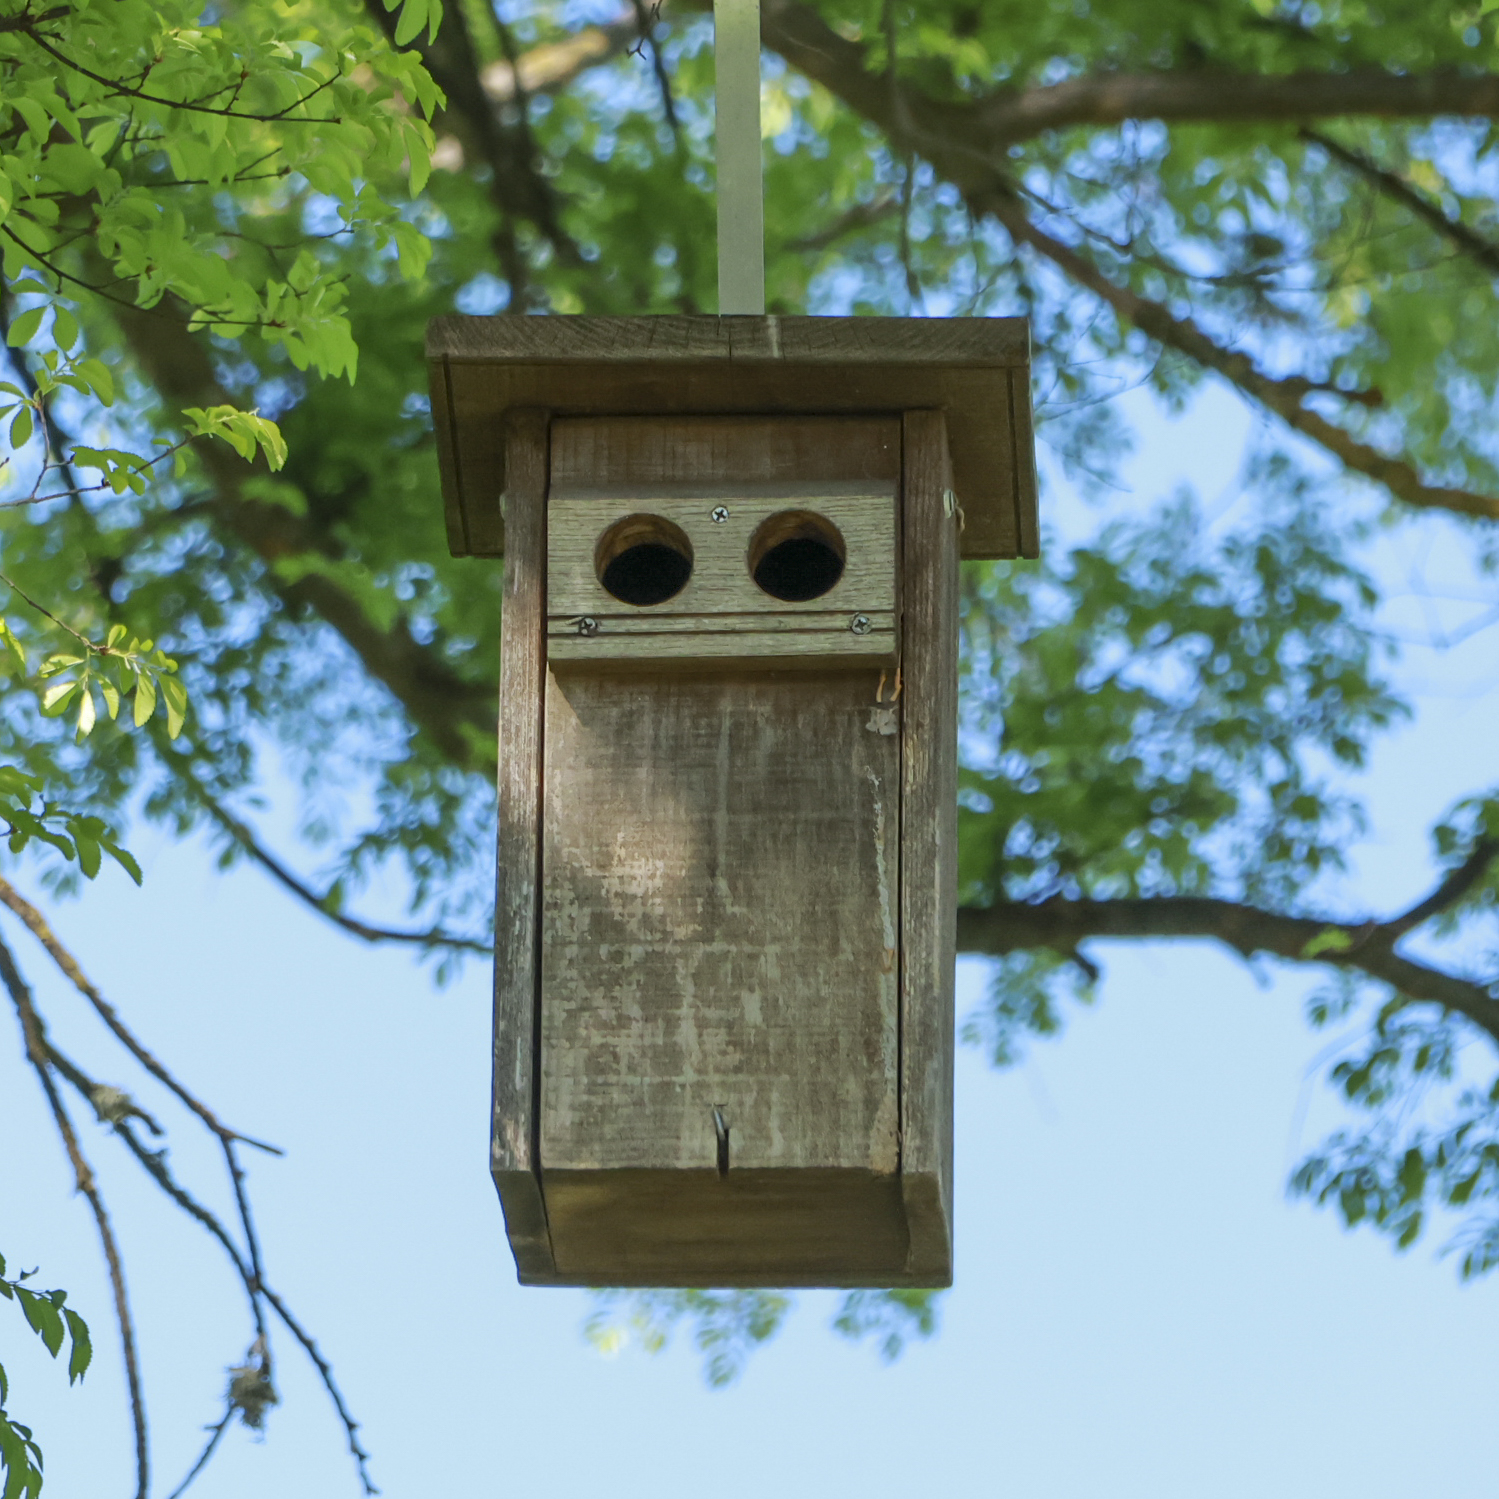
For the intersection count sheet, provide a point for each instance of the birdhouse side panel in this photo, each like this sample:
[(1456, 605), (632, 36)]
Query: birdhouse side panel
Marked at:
[(517, 895), (932, 518)]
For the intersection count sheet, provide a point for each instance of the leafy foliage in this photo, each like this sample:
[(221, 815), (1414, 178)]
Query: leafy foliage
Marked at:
[(1161, 712), (727, 1326), (207, 216), (55, 1324)]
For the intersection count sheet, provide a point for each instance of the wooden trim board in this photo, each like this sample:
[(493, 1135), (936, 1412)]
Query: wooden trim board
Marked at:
[(517, 971)]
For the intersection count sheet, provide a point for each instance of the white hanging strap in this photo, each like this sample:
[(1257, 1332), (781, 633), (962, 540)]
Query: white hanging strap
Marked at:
[(741, 190)]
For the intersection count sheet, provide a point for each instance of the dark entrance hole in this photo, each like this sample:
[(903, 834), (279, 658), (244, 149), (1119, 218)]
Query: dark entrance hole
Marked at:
[(643, 560), (796, 556)]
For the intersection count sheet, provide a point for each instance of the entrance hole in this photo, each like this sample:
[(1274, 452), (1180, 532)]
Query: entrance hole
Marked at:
[(643, 560), (796, 556)]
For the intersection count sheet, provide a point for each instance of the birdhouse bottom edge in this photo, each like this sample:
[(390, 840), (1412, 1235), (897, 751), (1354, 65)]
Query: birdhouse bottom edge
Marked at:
[(771, 1227)]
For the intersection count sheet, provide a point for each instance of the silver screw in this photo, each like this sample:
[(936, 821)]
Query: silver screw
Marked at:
[(588, 625), (860, 624), (720, 513)]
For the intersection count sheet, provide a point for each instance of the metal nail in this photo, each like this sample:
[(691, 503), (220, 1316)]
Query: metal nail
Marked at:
[(721, 1130)]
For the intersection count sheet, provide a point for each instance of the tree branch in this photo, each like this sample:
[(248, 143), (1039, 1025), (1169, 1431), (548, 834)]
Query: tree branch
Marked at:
[(1392, 185), (247, 1263), (1452, 889), (968, 143), (37, 1055), (216, 1435), (37, 925), (457, 715), (1368, 947), (1281, 396), (242, 835), (1214, 96), (325, 1373), (991, 124), (551, 66), (517, 188)]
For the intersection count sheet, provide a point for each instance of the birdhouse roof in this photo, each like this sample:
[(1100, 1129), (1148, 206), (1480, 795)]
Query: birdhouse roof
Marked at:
[(976, 370)]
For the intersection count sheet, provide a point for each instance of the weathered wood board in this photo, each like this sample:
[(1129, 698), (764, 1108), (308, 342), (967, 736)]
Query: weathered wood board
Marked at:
[(720, 899), (719, 951), (513, 1158), (929, 844), (720, 605)]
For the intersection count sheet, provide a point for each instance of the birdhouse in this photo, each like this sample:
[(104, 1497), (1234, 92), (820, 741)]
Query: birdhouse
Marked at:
[(727, 775)]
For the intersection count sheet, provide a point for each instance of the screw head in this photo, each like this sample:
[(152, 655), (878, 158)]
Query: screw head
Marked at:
[(588, 625), (860, 624), (720, 514)]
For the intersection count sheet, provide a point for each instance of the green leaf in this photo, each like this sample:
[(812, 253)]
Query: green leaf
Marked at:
[(24, 327), (89, 856), (64, 329), (124, 858), (86, 712), (145, 699), (83, 1349), (174, 695), (100, 379), (20, 428), (12, 654), (1330, 940), (44, 1316), (57, 697)]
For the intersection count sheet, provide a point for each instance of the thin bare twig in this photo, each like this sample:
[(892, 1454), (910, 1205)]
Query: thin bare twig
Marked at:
[(46, 613), (124, 90), (254, 1282), (1484, 251), (246, 839), (216, 1431), (247, 1265), (325, 1371), (37, 925), (155, 1166), (35, 1036), (646, 20)]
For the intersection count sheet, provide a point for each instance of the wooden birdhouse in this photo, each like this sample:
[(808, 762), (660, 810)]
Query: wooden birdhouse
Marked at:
[(728, 725)]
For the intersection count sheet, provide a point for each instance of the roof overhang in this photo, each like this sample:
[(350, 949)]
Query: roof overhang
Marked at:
[(976, 370)]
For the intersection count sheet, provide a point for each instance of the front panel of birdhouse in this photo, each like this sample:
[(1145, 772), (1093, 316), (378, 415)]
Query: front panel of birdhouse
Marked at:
[(723, 733), (725, 917), (721, 846)]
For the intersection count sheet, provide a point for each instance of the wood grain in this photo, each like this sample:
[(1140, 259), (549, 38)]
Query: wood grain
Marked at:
[(972, 342), (513, 1158), (737, 650), (728, 890), (719, 923), (929, 847), (750, 1228), (721, 600), (974, 369), (665, 455)]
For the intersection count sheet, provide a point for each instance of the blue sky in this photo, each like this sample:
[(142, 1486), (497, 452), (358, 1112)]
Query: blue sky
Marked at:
[(1139, 1311)]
